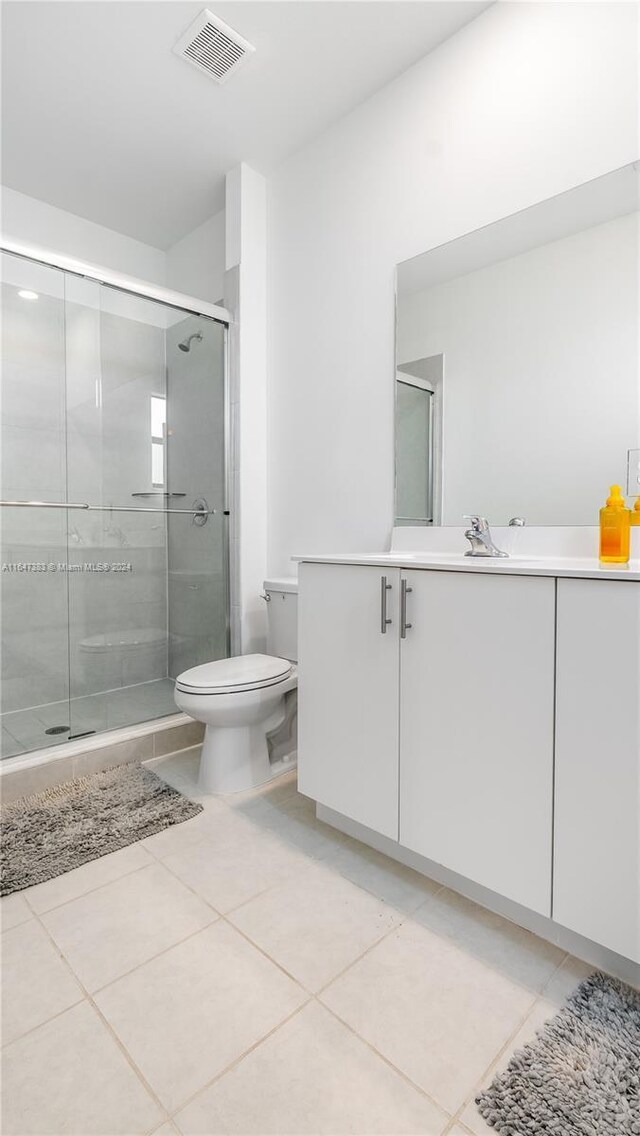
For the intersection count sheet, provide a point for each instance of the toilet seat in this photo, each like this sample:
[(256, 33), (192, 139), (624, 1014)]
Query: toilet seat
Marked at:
[(229, 676)]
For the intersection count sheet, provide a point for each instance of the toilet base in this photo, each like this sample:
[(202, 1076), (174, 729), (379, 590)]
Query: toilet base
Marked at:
[(236, 759)]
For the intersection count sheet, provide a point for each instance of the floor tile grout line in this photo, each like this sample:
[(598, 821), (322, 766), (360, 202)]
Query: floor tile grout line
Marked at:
[(176, 851), (121, 1047), (245, 902), (265, 954), (229, 911), (493, 1064), (217, 917), (360, 957), (99, 990), (557, 970), (396, 1069), (222, 917), (402, 915), (157, 955), (315, 993), (225, 917), (89, 891), (454, 1123), (14, 926), (496, 1060), (58, 1014), (237, 1060), (537, 997)]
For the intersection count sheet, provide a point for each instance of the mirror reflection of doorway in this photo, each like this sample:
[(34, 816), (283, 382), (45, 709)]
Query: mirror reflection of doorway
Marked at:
[(419, 441)]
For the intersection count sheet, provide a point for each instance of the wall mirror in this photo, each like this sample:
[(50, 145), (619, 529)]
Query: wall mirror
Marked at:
[(517, 363)]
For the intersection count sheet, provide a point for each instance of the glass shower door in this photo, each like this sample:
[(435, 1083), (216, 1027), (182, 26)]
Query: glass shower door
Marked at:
[(114, 574), (117, 582), (34, 698), (143, 595)]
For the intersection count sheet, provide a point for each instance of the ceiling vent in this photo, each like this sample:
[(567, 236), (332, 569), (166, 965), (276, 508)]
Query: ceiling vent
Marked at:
[(213, 47)]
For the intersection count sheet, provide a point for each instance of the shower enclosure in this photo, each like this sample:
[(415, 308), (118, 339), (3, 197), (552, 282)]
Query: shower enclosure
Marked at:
[(114, 571)]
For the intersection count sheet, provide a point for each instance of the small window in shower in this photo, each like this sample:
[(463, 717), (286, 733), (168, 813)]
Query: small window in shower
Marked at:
[(158, 423)]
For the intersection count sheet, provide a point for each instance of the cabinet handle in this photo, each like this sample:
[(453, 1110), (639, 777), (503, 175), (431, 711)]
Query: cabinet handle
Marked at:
[(384, 588), (404, 626)]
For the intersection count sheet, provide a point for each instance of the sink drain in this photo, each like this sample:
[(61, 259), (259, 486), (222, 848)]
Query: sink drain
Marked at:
[(58, 730)]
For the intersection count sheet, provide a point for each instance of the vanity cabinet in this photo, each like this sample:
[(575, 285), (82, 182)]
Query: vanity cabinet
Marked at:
[(597, 781), (348, 692), (441, 738), (492, 728), (476, 729)]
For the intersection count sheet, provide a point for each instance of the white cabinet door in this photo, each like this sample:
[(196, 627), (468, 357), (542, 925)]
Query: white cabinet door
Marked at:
[(597, 811), (348, 692), (476, 729)]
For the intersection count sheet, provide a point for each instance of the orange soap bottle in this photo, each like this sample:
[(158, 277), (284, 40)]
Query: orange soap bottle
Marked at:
[(615, 529)]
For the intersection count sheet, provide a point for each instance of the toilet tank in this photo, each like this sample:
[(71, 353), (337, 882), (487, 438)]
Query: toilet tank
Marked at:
[(282, 616)]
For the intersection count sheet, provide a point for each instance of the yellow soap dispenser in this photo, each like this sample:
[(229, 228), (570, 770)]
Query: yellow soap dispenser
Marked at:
[(615, 528)]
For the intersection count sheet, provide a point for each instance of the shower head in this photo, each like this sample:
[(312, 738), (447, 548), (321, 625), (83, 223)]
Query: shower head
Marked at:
[(185, 345)]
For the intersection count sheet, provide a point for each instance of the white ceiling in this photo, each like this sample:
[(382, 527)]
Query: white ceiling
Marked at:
[(101, 118)]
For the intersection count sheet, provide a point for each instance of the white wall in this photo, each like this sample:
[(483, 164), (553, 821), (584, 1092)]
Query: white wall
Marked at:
[(37, 223), (195, 265), (246, 294), (527, 101), (541, 393)]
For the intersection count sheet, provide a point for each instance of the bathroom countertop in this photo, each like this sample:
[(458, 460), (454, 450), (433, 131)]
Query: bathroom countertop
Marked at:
[(573, 566)]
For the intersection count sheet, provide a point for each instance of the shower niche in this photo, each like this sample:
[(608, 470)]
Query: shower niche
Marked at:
[(114, 543)]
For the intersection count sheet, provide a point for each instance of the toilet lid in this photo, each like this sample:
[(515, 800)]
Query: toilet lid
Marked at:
[(243, 672)]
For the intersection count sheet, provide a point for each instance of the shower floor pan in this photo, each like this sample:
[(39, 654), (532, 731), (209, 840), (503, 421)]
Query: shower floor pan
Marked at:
[(25, 730)]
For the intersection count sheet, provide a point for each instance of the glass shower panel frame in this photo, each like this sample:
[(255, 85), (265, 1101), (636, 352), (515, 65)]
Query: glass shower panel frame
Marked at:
[(140, 569)]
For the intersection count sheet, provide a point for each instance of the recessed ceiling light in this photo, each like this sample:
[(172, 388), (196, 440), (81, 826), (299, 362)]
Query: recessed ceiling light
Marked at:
[(25, 294)]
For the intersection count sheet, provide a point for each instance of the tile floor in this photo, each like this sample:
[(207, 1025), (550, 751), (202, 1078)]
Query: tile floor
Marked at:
[(253, 971)]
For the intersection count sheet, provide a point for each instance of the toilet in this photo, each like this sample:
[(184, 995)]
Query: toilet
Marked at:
[(248, 703)]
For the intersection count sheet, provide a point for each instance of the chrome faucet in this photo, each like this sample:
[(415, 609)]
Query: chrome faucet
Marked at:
[(479, 536)]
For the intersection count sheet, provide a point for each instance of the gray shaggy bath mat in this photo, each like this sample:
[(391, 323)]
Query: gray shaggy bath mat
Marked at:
[(581, 1075), (53, 832)]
